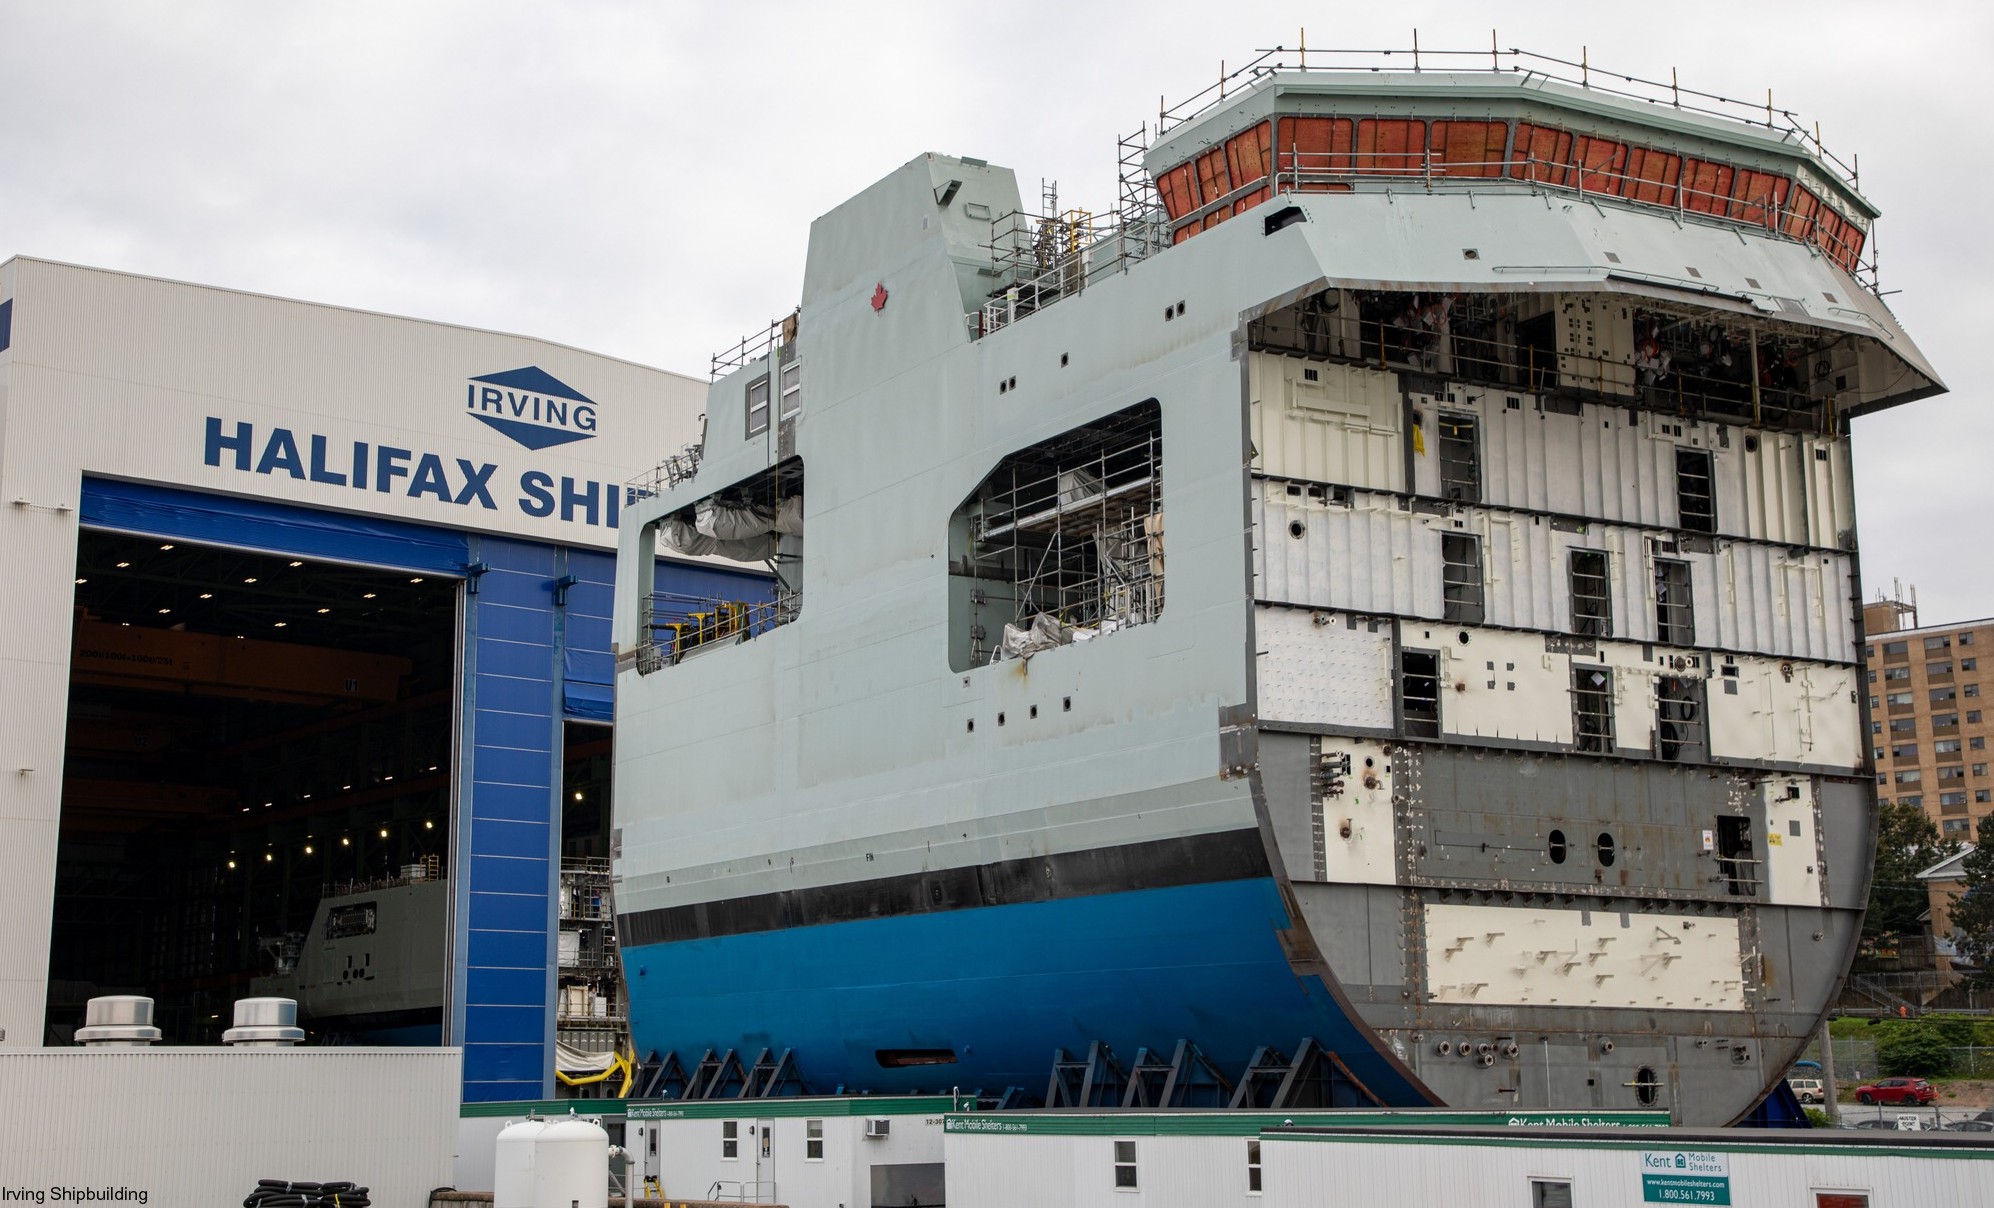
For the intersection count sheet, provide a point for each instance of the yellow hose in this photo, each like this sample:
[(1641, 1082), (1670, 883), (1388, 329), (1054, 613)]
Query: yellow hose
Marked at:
[(621, 1063)]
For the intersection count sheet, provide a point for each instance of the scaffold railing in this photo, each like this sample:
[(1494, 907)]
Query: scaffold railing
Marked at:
[(675, 625), (1496, 59), (1041, 258)]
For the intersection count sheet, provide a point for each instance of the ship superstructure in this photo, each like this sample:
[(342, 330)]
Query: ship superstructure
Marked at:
[(1377, 626)]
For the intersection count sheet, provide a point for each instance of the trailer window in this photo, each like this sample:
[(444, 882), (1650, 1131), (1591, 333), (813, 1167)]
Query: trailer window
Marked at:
[(1125, 1166), (1550, 1193)]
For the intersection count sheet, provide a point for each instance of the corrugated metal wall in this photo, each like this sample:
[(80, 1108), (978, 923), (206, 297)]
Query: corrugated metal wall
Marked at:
[(201, 1126)]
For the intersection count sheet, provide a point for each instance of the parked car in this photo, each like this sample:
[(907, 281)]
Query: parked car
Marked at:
[(1896, 1090), (1878, 1122), (1974, 1126), (1808, 1090)]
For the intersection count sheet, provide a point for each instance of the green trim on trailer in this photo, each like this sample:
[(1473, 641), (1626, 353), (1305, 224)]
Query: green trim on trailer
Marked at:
[(1248, 1123), (1980, 1152)]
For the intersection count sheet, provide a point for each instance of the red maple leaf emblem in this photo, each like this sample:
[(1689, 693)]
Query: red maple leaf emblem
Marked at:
[(879, 296)]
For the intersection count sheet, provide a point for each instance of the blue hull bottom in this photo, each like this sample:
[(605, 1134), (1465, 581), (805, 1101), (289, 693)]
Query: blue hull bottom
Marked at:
[(1002, 987)]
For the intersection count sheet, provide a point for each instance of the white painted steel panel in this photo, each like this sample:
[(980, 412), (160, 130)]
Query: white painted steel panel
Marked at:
[(1515, 956), (1794, 876), (1781, 711), (201, 1126), (1599, 464), (1789, 712), (1322, 668), (1504, 685), (1376, 557), (1339, 426), (1359, 803), (1831, 508), (1761, 491)]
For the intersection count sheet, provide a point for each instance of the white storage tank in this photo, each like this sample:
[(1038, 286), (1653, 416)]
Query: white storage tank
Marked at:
[(512, 1164), (571, 1166)]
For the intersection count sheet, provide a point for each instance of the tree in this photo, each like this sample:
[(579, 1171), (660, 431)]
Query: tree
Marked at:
[(1907, 843), (1973, 908), (1914, 1050)]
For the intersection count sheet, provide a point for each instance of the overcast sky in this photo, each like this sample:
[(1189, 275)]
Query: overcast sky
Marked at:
[(638, 179)]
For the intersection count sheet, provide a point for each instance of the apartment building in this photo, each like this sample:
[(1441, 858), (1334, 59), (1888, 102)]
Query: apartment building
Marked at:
[(1929, 724)]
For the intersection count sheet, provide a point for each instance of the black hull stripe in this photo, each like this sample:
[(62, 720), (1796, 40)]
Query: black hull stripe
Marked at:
[(1157, 864)]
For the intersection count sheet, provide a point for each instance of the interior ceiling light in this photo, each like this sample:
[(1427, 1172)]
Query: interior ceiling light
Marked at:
[(207, 595), (268, 858), (281, 624), (417, 579), (384, 832), (168, 545), (308, 849), (231, 863), (323, 611), (164, 611), (345, 842), (294, 565), (427, 825), (366, 596), (578, 794), (123, 565), (81, 581), (250, 579)]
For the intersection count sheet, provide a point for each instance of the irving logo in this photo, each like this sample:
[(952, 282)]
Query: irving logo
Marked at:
[(531, 406)]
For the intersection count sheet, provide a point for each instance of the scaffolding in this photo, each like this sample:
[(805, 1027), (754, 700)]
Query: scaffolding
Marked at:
[(1071, 533), (591, 1013)]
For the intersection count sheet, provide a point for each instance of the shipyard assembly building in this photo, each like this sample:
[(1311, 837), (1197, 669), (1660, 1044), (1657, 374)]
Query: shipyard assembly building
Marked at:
[(339, 621)]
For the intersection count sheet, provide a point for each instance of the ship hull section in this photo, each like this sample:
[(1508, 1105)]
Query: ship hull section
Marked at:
[(1001, 987)]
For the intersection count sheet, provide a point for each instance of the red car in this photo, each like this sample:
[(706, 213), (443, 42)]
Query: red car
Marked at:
[(1896, 1090)]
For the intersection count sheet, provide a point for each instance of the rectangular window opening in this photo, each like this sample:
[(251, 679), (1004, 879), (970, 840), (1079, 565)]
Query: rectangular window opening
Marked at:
[(1419, 692), (1461, 578), (1460, 458), (1735, 859), (813, 1140), (1680, 734), (894, 1059), (1592, 593), (1696, 499), (1253, 1165), (792, 389), (758, 406), (1062, 542), (1592, 709), (730, 1140), (1675, 617)]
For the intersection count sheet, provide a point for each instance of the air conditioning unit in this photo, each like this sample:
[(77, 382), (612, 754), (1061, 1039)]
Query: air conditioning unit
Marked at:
[(876, 1129)]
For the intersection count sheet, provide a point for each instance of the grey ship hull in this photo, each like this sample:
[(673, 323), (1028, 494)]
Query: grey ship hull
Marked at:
[(848, 835)]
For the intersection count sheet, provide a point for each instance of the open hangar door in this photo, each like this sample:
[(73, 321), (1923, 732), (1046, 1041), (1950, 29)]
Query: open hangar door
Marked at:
[(517, 630), (256, 790)]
